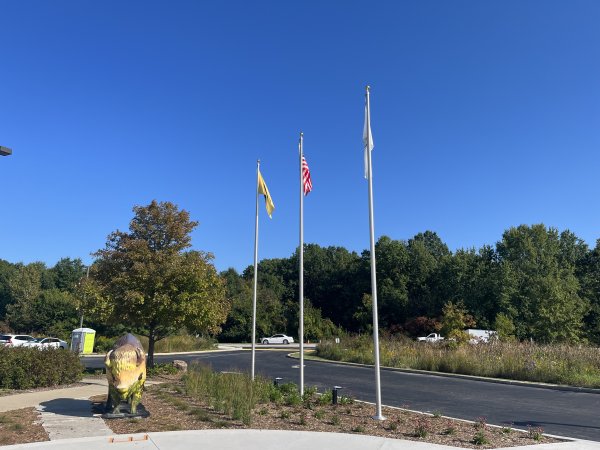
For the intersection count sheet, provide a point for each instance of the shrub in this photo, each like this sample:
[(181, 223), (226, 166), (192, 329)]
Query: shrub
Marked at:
[(535, 433), (27, 368), (103, 344), (480, 439), (180, 343), (325, 398), (422, 427), (162, 369)]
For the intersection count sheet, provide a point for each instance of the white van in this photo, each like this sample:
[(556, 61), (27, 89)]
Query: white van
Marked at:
[(481, 336)]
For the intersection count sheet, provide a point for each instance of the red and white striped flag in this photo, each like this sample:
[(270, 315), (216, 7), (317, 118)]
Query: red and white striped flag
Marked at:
[(306, 181)]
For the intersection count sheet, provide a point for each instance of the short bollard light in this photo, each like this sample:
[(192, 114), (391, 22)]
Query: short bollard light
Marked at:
[(277, 380), (334, 394)]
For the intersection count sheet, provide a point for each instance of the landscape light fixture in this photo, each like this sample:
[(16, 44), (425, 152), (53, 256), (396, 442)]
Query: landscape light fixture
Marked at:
[(5, 151), (334, 394)]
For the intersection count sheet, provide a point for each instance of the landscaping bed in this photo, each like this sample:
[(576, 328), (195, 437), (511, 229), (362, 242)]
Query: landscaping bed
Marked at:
[(181, 405), (21, 426)]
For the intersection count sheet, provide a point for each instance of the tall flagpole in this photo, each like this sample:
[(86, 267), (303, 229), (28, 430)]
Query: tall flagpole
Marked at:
[(378, 415), (301, 269), (255, 274)]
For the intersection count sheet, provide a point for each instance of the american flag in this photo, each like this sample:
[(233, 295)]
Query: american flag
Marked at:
[(306, 181)]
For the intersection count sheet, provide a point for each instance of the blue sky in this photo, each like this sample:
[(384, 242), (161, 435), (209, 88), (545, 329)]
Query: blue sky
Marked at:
[(485, 115)]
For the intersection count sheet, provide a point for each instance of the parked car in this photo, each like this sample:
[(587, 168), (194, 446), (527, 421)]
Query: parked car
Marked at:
[(48, 342), (15, 340), (432, 337), (277, 339)]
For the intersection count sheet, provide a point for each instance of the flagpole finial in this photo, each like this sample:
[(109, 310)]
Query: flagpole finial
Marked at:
[(368, 88), (301, 134)]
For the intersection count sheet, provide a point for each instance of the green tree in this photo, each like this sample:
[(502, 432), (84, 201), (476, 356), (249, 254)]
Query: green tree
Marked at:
[(7, 271), (25, 288), (426, 251), (455, 320), (67, 273), (505, 327), (588, 270), (149, 281), (392, 281), (540, 292)]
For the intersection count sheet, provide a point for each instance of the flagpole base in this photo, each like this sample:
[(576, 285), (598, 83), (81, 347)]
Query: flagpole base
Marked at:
[(379, 417)]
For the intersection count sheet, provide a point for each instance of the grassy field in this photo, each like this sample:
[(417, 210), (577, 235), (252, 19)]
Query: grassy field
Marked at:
[(559, 364)]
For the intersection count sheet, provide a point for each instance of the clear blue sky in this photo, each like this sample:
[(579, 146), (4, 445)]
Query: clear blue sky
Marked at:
[(485, 115)]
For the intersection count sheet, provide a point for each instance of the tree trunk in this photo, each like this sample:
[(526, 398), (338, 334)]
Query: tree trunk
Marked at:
[(151, 340)]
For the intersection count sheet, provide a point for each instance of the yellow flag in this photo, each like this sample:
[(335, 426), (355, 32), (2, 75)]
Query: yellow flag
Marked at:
[(262, 189)]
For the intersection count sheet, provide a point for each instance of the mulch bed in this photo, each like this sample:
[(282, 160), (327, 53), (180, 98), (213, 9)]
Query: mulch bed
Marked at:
[(21, 426), (170, 409)]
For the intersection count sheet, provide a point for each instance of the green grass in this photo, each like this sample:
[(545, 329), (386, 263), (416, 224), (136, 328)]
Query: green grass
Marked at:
[(557, 364), (233, 394)]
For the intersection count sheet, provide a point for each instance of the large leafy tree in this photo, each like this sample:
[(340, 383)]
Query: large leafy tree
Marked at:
[(7, 271), (25, 288), (392, 280), (541, 293), (150, 281)]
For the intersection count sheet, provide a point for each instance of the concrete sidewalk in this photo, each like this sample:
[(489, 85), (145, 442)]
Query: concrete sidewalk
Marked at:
[(93, 386), (260, 440)]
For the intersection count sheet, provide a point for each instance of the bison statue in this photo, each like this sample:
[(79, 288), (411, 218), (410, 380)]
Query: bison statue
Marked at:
[(126, 373)]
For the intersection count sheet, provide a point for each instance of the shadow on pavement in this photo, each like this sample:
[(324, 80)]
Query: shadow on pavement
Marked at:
[(533, 423), (68, 407)]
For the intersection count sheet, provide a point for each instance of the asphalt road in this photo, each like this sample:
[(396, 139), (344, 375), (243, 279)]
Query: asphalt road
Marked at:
[(572, 414)]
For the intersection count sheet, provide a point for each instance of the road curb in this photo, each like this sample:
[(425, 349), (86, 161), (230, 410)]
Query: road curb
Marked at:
[(232, 349), (556, 387)]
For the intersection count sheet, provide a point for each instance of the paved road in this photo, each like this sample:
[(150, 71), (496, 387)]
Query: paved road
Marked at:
[(572, 414)]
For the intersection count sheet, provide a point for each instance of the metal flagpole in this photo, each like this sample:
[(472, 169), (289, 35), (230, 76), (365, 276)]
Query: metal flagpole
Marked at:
[(255, 274), (301, 269), (378, 415)]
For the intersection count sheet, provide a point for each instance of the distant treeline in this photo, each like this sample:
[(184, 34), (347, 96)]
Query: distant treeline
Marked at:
[(535, 283)]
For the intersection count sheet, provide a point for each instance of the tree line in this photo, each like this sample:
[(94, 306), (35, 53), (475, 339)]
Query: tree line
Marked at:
[(534, 283)]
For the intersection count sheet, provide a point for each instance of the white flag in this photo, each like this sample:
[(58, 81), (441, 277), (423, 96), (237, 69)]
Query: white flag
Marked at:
[(367, 138)]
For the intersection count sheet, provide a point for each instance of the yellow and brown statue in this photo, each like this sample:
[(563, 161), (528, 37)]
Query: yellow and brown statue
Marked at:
[(126, 373)]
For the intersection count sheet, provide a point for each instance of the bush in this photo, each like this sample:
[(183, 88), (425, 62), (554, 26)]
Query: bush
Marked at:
[(27, 368), (103, 344), (162, 369), (180, 343)]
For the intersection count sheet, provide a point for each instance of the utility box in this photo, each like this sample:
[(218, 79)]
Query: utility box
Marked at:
[(82, 340)]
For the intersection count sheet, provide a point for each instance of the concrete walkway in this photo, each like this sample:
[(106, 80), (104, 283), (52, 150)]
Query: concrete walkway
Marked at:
[(260, 440), (93, 386)]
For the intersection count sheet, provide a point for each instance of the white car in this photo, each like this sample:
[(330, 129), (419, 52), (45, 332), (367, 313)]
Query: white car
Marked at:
[(48, 342), (16, 340), (277, 339)]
